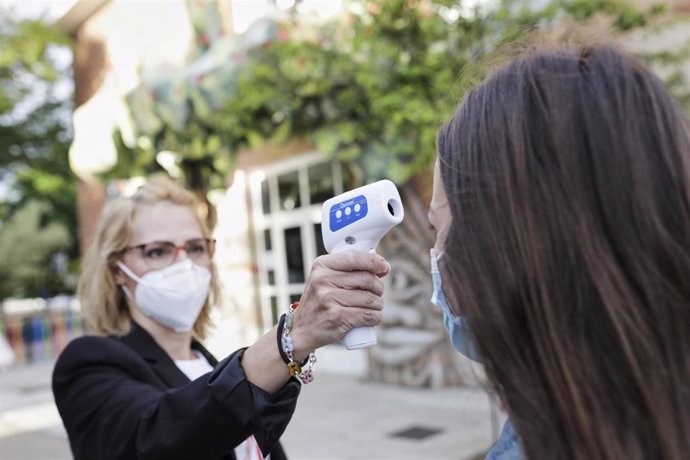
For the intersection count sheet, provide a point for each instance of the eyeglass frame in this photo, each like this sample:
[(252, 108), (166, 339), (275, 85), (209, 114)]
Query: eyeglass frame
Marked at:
[(210, 244)]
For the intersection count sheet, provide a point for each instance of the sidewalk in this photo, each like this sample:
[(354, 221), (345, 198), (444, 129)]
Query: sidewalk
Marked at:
[(30, 427), (339, 418), (336, 418)]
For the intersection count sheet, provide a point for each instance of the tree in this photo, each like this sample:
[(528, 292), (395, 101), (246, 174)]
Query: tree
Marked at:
[(27, 246), (35, 135)]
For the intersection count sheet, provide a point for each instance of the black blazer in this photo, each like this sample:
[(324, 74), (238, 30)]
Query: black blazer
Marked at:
[(124, 398)]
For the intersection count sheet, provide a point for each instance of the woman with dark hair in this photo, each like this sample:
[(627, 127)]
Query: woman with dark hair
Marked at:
[(562, 204)]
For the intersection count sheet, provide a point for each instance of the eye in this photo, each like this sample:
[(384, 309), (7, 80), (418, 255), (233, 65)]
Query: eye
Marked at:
[(196, 247), (155, 251)]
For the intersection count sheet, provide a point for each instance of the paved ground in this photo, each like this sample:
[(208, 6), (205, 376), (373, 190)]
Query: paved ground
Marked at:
[(336, 418)]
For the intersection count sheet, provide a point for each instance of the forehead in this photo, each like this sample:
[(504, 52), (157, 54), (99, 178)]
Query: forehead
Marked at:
[(164, 221)]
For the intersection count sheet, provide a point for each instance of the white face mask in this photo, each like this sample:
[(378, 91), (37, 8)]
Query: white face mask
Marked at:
[(174, 295)]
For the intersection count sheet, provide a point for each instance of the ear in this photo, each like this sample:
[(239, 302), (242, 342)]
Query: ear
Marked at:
[(118, 275)]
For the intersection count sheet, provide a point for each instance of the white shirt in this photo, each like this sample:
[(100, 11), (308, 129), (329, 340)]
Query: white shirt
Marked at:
[(195, 368)]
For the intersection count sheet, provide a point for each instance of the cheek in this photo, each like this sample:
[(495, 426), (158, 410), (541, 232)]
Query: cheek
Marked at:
[(129, 284), (441, 237), (438, 245), (136, 264), (122, 280)]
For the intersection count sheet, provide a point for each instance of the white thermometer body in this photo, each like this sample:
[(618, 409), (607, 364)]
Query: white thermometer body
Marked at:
[(358, 219)]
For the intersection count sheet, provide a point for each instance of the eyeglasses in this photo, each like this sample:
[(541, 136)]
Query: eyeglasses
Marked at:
[(160, 254)]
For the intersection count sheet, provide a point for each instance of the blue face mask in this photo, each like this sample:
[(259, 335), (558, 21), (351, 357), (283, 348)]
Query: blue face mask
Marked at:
[(460, 336)]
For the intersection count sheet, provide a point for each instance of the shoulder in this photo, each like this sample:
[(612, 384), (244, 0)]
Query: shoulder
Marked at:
[(507, 446), (92, 345), (96, 351)]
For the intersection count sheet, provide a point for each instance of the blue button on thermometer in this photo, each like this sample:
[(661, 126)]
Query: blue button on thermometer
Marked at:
[(347, 212)]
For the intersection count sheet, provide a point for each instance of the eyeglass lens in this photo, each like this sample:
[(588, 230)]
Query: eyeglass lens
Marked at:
[(162, 253)]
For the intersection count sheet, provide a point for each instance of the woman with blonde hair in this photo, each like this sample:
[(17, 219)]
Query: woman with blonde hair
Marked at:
[(143, 386)]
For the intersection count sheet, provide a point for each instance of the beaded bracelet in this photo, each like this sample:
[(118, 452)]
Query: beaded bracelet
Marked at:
[(281, 350), (286, 348)]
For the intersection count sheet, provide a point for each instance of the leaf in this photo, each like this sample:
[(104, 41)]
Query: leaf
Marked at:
[(255, 140), (282, 134)]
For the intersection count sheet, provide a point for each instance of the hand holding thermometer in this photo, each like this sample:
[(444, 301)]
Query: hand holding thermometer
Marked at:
[(358, 219)]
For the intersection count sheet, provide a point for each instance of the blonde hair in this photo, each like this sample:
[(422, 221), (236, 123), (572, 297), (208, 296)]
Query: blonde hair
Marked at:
[(103, 303)]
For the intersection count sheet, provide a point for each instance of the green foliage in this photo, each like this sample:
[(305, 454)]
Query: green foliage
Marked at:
[(669, 64), (27, 243), (34, 142), (33, 121), (372, 89), (139, 160)]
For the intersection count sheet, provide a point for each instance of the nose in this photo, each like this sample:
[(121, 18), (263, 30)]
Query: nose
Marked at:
[(180, 254)]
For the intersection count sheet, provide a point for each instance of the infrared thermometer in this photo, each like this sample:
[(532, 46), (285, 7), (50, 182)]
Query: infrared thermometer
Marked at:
[(358, 219)]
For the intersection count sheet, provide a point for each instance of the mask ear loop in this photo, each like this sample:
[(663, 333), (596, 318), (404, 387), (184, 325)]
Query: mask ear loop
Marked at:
[(132, 276), (435, 257), (128, 293), (128, 272), (436, 272)]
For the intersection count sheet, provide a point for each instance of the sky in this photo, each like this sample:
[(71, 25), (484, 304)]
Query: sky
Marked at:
[(245, 10), (52, 9)]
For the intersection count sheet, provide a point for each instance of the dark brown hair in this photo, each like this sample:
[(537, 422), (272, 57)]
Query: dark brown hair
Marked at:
[(568, 176)]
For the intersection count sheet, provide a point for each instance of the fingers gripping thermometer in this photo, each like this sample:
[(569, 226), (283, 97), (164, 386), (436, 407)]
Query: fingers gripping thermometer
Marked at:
[(358, 219)]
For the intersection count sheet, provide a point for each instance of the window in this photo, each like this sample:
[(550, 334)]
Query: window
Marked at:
[(320, 248), (293, 255), (288, 191), (320, 182)]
